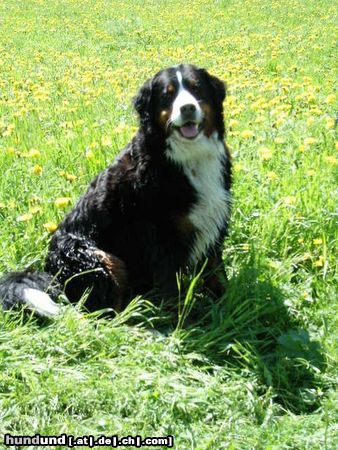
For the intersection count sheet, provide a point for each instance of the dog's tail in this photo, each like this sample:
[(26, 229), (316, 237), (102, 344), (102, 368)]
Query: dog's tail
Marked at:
[(35, 290)]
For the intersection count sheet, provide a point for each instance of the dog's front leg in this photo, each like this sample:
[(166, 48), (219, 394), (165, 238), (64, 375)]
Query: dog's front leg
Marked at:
[(164, 274), (215, 278)]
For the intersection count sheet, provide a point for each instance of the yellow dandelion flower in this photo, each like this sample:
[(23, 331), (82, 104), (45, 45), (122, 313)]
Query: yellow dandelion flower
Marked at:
[(121, 128), (62, 202), (238, 167), (274, 112), (290, 200), (319, 262), (306, 256), (33, 153), (300, 241), (250, 96), (234, 133), (37, 169), (233, 123), (317, 241), (331, 160), (272, 176), (70, 177), (25, 217), (106, 141), (310, 141), (9, 130), (306, 295), (231, 100), (260, 119), (90, 154), (50, 226), (265, 153), (301, 148), (330, 123), (316, 111), (35, 210), (311, 98), (331, 98), (247, 134)]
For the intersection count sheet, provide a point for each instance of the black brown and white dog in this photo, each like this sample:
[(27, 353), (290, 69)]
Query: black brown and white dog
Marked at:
[(162, 207)]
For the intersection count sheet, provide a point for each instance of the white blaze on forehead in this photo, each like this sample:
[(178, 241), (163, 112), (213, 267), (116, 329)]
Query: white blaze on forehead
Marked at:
[(184, 97)]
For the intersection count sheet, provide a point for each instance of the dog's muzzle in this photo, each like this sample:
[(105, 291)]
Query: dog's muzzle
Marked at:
[(190, 123)]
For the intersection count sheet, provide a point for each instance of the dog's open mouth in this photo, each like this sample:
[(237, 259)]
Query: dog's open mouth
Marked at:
[(190, 130)]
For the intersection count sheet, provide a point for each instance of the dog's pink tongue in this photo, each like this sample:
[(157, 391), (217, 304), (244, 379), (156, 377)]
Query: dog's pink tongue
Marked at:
[(190, 130)]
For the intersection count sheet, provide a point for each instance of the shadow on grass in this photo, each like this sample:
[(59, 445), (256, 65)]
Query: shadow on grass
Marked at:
[(249, 330), (252, 329)]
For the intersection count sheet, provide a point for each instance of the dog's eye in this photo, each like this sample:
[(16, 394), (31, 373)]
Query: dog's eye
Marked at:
[(192, 85), (195, 88), (167, 96)]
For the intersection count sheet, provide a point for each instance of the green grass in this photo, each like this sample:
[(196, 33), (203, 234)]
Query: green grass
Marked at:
[(258, 368)]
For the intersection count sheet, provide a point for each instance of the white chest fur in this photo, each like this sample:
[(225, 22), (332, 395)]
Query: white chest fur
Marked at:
[(201, 160)]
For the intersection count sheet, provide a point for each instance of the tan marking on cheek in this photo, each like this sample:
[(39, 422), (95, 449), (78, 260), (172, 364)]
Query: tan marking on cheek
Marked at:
[(206, 108), (209, 127), (164, 117)]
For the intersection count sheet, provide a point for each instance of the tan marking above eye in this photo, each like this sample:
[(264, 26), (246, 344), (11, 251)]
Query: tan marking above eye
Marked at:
[(170, 89)]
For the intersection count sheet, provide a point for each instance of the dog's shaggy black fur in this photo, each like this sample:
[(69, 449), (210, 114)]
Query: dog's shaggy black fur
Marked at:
[(139, 221)]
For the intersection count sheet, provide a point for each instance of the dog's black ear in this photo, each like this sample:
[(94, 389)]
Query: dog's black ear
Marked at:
[(218, 87), (143, 98), (218, 93)]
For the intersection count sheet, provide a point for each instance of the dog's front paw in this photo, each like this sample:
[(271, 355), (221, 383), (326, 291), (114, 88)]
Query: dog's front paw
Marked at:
[(216, 284)]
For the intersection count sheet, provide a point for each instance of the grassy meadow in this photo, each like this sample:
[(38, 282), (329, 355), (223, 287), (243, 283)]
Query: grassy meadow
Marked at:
[(256, 369)]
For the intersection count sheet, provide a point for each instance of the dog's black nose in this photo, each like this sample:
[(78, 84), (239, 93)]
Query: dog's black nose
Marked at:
[(188, 109)]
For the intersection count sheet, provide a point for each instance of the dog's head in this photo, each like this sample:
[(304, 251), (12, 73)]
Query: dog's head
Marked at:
[(183, 102)]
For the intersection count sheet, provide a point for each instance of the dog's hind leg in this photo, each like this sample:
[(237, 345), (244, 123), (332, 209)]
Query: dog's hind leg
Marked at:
[(84, 269), (118, 277)]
